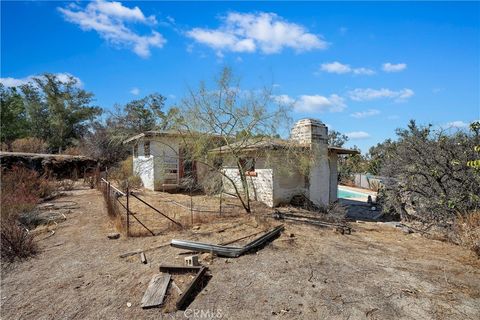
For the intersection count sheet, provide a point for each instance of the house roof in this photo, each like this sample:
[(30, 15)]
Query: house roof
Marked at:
[(339, 150), (275, 144), (246, 145), (162, 133)]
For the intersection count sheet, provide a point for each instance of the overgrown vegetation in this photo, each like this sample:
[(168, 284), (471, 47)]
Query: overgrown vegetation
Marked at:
[(429, 180), (21, 190), (122, 174)]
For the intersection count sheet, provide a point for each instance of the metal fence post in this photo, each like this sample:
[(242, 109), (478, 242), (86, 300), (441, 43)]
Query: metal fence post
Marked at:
[(191, 206), (128, 211), (221, 195)]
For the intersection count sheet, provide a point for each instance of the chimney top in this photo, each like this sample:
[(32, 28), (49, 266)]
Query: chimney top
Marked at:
[(309, 131)]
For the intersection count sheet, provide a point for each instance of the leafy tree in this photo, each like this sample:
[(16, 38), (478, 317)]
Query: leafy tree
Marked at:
[(349, 165), (12, 116), (144, 114), (336, 139), (105, 140), (429, 176), (376, 156), (69, 109)]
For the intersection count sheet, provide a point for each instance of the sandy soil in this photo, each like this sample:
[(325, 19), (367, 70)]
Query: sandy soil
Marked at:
[(377, 272)]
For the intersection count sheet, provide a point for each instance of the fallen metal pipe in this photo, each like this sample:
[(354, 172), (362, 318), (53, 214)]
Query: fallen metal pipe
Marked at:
[(227, 251)]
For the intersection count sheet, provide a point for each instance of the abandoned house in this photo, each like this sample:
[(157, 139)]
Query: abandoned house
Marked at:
[(158, 158)]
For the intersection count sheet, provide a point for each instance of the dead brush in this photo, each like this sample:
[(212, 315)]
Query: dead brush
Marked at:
[(113, 211), (21, 190), (467, 231), (17, 242)]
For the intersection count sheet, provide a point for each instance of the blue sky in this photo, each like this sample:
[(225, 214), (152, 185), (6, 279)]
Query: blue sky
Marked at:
[(362, 68)]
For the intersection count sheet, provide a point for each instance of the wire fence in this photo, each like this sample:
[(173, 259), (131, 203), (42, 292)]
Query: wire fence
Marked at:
[(122, 207)]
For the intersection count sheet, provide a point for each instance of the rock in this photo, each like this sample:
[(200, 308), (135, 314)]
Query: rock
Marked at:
[(195, 227), (129, 304), (113, 235)]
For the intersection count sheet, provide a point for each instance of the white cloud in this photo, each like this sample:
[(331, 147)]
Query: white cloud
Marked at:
[(364, 114), (109, 20), (335, 67), (12, 82), (389, 67), (116, 9), (284, 99), (340, 68), (135, 91), (16, 82), (249, 32), (364, 71), (357, 135), (313, 103), (457, 124), (317, 103), (372, 94)]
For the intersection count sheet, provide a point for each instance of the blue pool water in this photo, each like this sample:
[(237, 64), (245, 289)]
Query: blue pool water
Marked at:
[(348, 194)]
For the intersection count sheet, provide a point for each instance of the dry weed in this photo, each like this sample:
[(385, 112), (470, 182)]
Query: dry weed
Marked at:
[(467, 230)]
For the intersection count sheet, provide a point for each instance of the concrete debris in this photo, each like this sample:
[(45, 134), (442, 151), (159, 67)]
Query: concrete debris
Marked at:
[(113, 235), (191, 261)]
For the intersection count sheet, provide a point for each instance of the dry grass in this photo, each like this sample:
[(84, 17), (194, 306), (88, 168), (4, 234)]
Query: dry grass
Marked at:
[(467, 231), (122, 175), (115, 213), (177, 207), (31, 145)]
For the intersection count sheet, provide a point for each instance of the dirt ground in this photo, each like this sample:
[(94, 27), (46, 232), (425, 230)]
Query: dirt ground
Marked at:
[(377, 272)]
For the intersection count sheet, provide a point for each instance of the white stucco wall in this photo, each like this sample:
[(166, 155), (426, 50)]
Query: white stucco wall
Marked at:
[(260, 187), (333, 163), (320, 177), (143, 167), (151, 169)]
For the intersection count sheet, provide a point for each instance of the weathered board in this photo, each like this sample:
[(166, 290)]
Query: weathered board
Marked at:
[(156, 290), (143, 258)]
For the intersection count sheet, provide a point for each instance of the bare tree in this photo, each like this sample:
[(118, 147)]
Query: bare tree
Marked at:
[(236, 119)]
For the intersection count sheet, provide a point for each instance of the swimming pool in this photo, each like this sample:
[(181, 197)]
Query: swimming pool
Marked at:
[(349, 194)]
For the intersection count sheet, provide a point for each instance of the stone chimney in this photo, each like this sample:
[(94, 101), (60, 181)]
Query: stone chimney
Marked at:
[(314, 133), (310, 131)]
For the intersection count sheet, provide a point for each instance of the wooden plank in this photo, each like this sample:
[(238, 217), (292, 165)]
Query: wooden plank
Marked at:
[(170, 268), (181, 302), (156, 290)]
